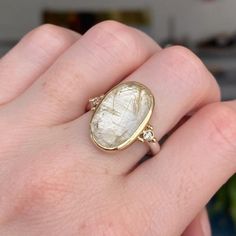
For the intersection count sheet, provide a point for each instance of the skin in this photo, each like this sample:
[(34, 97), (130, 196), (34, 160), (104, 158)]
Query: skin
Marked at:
[(55, 181)]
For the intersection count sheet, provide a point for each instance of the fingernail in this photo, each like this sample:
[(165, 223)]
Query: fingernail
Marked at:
[(205, 224)]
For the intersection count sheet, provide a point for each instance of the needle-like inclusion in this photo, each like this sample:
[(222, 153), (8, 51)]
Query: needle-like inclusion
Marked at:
[(121, 116)]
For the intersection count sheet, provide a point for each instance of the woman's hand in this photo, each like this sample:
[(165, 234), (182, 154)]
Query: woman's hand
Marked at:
[(55, 181)]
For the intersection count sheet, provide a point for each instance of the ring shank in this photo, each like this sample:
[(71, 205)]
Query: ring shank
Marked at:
[(154, 148)]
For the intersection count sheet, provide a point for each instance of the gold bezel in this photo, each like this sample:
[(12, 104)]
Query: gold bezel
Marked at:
[(140, 129)]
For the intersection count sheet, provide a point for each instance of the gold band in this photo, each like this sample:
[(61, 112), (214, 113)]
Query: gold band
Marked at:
[(154, 148)]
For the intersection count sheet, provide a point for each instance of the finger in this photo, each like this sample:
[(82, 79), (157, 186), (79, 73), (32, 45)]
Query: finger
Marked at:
[(192, 165), (180, 83), (31, 57), (200, 226), (101, 58)]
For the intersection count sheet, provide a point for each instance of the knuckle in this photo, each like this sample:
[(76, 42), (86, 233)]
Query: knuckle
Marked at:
[(46, 30), (185, 55), (185, 62), (110, 25), (116, 38), (222, 120), (49, 37)]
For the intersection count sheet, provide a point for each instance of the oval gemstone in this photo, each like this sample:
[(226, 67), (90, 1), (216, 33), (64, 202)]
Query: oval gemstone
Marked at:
[(121, 116)]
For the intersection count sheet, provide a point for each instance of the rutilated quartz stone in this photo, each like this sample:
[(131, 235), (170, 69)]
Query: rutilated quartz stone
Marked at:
[(124, 111)]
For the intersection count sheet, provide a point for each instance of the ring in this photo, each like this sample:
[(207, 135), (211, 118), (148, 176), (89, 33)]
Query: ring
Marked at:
[(122, 116)]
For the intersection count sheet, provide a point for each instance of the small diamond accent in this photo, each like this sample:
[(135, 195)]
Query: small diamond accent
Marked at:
[(148, 135)]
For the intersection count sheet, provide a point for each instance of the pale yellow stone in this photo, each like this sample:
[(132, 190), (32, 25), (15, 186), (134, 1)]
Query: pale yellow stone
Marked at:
[(124, 110)]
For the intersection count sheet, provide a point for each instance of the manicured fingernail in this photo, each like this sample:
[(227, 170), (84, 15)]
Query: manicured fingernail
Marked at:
[(205, 224)]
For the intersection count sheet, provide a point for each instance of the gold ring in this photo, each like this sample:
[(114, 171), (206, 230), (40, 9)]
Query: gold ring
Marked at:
[(122, 116)]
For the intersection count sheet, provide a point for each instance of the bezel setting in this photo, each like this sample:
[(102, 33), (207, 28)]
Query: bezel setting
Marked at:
[(144, 131)]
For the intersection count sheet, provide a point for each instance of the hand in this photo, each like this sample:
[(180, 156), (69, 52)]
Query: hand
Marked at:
[(55, 181)]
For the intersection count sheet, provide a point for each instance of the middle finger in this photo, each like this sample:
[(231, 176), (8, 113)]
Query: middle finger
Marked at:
[(101, 58)]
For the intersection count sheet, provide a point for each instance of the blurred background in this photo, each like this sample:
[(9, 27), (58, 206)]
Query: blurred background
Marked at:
[(208, 27)]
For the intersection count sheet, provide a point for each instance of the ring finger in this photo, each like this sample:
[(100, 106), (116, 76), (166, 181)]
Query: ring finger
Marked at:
[(180, 83)]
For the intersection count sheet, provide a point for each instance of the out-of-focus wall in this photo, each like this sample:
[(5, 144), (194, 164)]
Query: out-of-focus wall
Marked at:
[(194, 18)]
